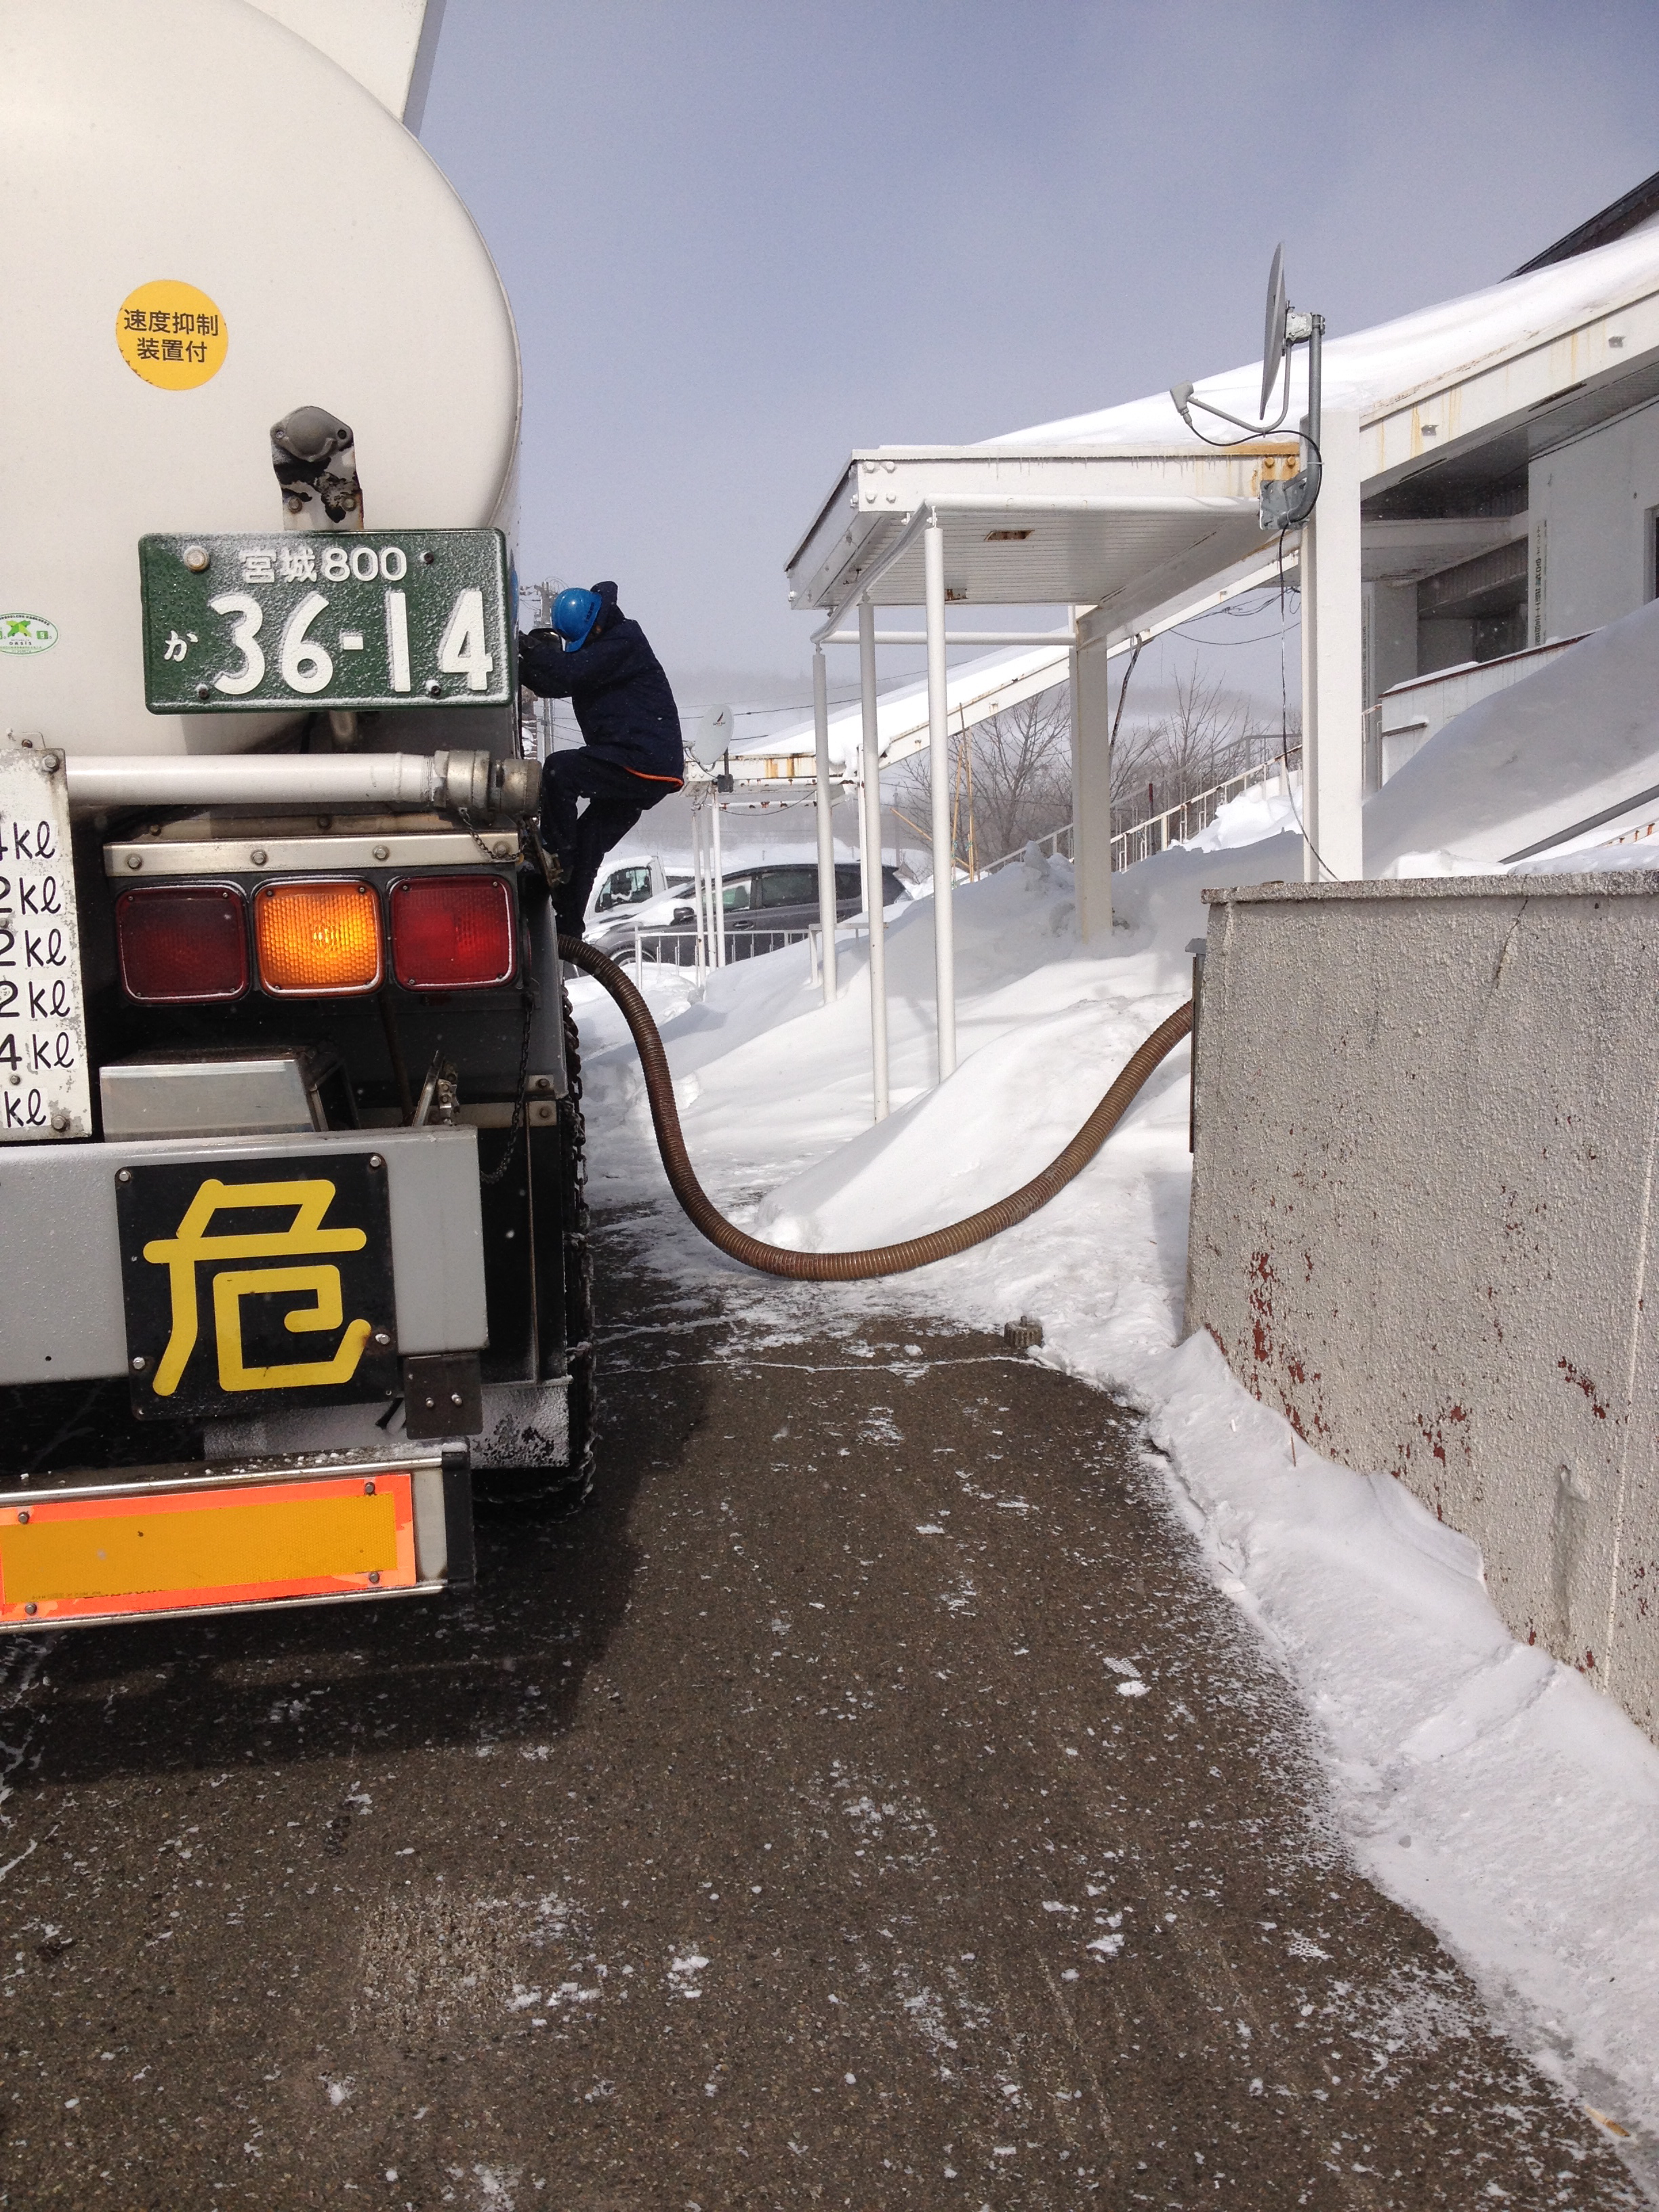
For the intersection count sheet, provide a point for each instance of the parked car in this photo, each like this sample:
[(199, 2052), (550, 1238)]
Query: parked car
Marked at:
[(630, 884), (765, 908)]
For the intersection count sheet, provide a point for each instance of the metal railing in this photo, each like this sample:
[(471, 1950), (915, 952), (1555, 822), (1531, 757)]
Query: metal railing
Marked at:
[(1156, 833), (850, 930), (1054, 840), (685, 947)]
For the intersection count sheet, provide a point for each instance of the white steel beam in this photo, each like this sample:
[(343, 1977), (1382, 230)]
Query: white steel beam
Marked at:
[(958, 641), (1451, 414), (900, 546), (1104, 506), (1096, 624)]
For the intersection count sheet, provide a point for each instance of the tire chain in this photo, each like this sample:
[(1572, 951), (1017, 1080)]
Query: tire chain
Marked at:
[(581, 1399)]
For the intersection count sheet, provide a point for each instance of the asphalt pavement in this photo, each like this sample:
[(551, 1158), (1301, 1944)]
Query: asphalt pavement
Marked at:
[(870, 1801)]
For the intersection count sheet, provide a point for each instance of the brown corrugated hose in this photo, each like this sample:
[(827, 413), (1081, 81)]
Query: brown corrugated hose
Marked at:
[(879, 1258)]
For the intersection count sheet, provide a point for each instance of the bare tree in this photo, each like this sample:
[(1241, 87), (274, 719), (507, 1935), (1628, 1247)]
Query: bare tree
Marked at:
[(1011, 776), (1011, 779), (1200, 740)]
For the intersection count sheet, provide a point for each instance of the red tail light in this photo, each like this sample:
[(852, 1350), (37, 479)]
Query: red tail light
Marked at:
[(181, 944), (452, 933)]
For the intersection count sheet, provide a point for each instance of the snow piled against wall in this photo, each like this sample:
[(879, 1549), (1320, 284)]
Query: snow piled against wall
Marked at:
[(1477, 1782), (1579, 738)]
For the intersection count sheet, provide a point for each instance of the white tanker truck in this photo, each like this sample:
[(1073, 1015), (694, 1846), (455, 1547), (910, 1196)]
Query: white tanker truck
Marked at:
[(290, 1153)]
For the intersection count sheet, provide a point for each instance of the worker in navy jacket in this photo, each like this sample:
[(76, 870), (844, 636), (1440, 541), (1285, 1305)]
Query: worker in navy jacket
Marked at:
[(631, 753)]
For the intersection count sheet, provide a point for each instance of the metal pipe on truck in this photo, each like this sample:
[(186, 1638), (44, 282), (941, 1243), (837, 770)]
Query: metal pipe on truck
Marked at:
[(474, 780)]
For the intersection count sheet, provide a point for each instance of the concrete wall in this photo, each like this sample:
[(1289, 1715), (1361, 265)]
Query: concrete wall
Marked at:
[(1591, 505), (1423, 1218)]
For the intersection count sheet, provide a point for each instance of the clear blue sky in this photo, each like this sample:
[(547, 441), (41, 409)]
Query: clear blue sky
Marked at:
[(741, 237)]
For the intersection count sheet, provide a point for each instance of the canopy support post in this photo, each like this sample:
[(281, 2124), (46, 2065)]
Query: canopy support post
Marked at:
[(1333, 664), (700, 889), (827, 901), (870, 853), (1092, 785), (938, 770), (720, 879)]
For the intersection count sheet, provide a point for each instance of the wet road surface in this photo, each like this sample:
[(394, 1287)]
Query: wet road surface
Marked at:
[(869, 1802)]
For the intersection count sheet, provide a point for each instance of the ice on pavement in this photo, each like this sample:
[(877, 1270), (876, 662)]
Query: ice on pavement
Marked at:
[(1484, 1786)]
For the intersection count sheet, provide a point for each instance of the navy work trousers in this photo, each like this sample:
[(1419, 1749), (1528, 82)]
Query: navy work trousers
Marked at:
[(581, 839)]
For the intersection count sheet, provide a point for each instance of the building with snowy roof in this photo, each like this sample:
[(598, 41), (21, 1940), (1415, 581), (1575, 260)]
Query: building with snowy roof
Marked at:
[(1490, 492)]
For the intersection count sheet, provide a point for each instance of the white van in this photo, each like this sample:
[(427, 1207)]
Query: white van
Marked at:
[(620, 890)]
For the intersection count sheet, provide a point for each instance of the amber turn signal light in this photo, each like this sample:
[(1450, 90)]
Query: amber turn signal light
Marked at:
[(317, 939), (452, 933), (182, 945)]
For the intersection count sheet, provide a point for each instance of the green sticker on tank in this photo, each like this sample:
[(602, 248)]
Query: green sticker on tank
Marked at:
[(27, 634)]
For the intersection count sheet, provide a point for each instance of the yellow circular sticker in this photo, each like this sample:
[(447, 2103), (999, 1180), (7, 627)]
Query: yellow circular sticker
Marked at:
[(172, 335)]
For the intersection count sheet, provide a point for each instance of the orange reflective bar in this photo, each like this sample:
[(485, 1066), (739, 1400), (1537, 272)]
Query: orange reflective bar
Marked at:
[(238, 1545)]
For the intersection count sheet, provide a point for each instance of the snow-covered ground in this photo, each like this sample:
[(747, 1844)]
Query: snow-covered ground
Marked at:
[(1477, 1782)]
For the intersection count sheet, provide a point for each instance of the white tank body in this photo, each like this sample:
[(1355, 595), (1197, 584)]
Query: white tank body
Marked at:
[(199, 143)]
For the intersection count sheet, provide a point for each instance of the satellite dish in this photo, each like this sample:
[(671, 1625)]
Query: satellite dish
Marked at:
[(1272, 340)]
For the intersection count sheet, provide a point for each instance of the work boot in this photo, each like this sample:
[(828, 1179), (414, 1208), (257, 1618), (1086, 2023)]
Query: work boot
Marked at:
[(551, 868)]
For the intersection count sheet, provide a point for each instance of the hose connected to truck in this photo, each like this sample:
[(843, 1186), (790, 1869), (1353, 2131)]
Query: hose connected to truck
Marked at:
[(879, 1259)]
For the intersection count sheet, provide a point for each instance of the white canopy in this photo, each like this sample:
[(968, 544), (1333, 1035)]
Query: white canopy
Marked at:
[(1122, 509)]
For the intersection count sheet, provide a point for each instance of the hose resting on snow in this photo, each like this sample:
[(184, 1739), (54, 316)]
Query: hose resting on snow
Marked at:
[(879, 1258)]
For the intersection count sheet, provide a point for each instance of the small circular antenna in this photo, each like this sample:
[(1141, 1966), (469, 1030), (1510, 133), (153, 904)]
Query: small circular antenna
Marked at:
[(1273, 339)]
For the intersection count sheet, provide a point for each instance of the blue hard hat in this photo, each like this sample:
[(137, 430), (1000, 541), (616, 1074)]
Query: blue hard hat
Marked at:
[(574, 613)]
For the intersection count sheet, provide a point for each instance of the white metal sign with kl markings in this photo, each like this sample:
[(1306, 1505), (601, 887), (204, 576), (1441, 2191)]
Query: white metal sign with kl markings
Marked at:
[(44, 1091)]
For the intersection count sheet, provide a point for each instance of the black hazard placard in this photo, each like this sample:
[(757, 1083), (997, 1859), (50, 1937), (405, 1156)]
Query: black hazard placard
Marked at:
[(251, 1284)]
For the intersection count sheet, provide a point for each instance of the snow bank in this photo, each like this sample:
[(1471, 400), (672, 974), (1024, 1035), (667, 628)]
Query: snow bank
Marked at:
[(1260, 812), (1486, 1788), (1578, 739), (1477, 1781)]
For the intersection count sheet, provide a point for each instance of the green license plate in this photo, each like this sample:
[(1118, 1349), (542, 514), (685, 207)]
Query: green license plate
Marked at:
[(369, 618), (251, 1284)]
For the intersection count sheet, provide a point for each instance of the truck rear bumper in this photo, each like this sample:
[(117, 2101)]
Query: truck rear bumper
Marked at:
[(62, 1317), (166, 1541)]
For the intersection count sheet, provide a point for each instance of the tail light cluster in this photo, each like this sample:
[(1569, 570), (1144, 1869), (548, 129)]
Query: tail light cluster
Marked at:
[(325, 938)]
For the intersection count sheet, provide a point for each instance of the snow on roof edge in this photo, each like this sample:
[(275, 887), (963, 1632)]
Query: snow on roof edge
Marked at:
[(1376, 369)]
